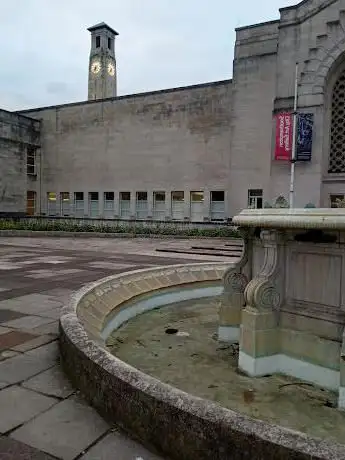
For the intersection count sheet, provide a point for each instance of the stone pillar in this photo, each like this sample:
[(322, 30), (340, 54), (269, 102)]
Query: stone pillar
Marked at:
[(235, 280), (133, 205), (207, 205), (86, 204), (101, 204), (187, 210), (341, 397), (264, 295), (150, 204)]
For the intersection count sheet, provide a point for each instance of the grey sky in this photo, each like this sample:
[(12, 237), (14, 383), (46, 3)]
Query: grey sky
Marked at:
[(162, 43)]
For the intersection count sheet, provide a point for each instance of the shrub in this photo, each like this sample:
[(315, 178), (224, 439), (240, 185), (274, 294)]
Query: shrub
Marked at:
[(135, 228)]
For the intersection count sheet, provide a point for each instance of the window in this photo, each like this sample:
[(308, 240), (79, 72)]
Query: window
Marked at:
[(177, 196), (177, 205), (65, 203), (197, 206), (98, 41), (93, 196), (334, 199), (141, 206), (125, 196), (93, 204), (217, 205), (79, 196), (79, 204), (30, 202), (159, 205), (196, 197), (51, 198), (255, 198), (337, 143), (31, 161), (109, 198), (109, 43), (125, 204)]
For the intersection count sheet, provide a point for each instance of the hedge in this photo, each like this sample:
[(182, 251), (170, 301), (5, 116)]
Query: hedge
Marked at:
[(133, 229)]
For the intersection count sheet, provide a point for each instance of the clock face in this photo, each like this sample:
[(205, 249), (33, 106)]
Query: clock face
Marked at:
[(111, 69), (95, 67)]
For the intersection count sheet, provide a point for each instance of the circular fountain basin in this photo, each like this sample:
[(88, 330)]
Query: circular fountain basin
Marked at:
[(176, 422)]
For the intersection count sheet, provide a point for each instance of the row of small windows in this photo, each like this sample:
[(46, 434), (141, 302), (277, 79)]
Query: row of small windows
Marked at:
[(159, 205)]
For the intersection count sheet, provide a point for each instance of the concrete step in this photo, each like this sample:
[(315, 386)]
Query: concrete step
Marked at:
[(235, 249), (199, 252)]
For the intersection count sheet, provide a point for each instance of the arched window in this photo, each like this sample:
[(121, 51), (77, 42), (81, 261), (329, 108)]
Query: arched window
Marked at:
[(337, 147)]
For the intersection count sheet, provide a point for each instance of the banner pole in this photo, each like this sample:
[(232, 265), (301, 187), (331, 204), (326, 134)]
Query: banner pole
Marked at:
[(294, 142)]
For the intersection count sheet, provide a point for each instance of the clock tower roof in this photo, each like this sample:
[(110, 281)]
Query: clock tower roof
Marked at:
[(102, 25)]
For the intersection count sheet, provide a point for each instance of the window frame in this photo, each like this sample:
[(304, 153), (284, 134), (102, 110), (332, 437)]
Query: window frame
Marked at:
[(254, 195)]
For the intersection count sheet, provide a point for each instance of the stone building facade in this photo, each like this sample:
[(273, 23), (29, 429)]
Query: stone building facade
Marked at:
[(202, 152), (19, 163)]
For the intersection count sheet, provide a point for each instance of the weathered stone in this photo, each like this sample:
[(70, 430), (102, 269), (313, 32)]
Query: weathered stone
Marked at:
[(12, 449), (64, 431), (19, 405), (22, 367), (51, 382), (125, 448), (13, 338), (27, 322)]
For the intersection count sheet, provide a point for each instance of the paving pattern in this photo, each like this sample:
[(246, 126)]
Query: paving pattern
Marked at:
[(42, 416)]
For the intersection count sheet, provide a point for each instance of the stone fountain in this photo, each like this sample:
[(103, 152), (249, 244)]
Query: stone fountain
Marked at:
[(284, 300)]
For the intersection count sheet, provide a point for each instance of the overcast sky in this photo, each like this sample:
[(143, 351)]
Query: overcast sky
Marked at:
[(162, 43)]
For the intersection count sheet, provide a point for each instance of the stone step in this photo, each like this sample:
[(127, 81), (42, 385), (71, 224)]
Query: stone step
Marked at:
[(235, 249), (199, 252)]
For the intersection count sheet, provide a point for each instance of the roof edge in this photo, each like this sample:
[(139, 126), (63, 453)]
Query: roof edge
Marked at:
[(128, 96), (259, 24), (102, 25), (292, 7)]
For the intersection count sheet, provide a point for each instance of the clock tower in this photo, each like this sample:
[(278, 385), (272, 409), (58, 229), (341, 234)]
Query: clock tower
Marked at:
[(102, 65)]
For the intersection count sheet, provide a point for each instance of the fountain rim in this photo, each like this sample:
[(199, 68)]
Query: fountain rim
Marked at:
[(101, 376), (292, 218)]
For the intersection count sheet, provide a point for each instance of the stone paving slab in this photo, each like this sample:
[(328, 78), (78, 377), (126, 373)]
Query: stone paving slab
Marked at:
[(27, 306), (51, 382), (5, 354), (4, 330), (117, 442), (50, 328), (65, 430), (8, 315), (10, 449), (38, 341), (54, 313), (18, 405), (14, 338), (23, 366), (27, 322)]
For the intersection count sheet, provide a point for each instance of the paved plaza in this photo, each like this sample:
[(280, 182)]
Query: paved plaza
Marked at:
[(42, 416)]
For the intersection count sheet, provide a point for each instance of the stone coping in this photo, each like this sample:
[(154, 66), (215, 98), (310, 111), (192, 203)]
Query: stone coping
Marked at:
[(310, 218), (178, 424)]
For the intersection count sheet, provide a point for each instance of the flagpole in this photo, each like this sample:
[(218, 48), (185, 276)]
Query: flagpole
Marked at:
[(294, 142)]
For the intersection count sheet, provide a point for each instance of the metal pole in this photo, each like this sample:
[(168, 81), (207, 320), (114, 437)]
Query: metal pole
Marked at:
[(294, 142)]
